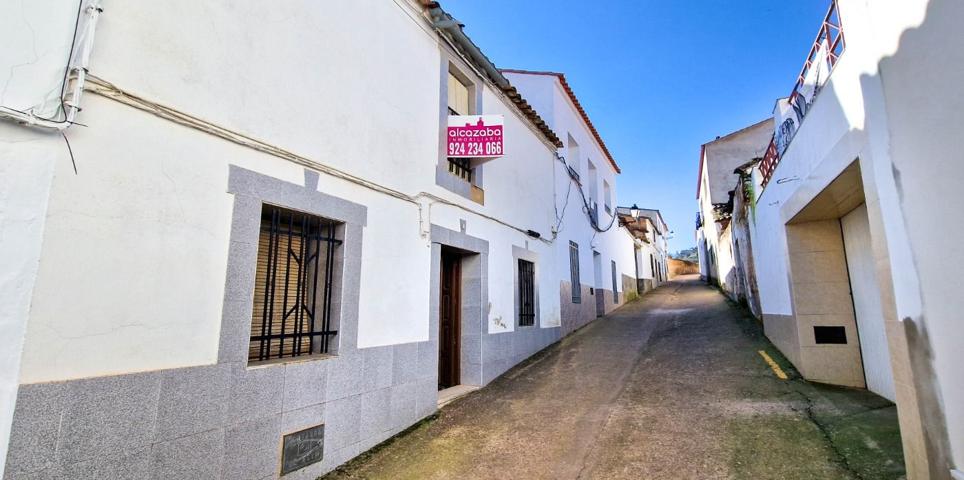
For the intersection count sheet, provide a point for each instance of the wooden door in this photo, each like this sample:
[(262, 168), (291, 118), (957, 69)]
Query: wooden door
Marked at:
[(449, 320)]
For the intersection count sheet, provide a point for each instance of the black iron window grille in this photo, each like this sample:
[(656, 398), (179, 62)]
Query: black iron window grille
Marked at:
[(527, 293), (574, 272), (615, 290), (462, 168), (293, 285)]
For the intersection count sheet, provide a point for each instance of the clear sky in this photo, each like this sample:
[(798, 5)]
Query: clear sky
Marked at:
[(658, 78)]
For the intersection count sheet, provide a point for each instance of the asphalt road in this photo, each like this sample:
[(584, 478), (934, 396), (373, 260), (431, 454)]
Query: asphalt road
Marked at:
[(669, 387)]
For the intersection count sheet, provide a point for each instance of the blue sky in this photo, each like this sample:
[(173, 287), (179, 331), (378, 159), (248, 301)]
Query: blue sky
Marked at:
[(658, 78)]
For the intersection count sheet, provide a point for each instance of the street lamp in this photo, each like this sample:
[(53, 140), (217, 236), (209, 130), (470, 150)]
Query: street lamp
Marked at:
[(634, 211)]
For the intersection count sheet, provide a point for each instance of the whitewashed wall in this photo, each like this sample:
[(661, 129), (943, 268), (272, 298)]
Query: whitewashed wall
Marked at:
[(27, 161), (546, 94), (830, 138), (921, 70), (892, 102), (135, 249), (709, 232), (35, 38)]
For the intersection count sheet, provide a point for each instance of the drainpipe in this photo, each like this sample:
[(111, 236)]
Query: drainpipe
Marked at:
[(73, 80)]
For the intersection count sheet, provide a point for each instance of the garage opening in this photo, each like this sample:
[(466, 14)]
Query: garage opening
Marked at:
[(836, 298)]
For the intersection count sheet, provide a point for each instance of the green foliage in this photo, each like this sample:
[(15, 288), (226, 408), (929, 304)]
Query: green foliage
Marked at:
[(749, 193)]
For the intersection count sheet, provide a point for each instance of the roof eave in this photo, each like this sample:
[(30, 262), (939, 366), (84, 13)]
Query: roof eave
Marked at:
[(446, 25), (575, 101)]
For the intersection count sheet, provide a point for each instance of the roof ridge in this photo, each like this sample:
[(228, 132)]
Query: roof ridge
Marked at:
[(575, 101), (728, 135)]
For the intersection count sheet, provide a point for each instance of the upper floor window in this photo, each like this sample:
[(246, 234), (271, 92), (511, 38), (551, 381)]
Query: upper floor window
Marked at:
[(458, 104), (572, 152), (293, 285), (607, 196), (593, 191), (458, 100)]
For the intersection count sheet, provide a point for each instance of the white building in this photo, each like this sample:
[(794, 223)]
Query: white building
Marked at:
[(585, 186), (716, 180), (653, 255), (857, 232), (256, 241)]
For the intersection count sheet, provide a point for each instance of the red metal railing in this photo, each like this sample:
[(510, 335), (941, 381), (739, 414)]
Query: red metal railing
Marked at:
[(769, 162), (830, 34)]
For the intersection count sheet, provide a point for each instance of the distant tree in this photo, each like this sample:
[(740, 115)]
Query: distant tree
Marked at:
[(688, 255)]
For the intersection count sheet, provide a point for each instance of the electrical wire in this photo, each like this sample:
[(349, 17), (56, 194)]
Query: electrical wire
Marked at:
[(63, 82), (69, 151), (562, 215), (110, 91), (593, 222)]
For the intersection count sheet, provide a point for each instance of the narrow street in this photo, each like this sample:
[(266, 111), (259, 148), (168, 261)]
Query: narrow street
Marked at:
[(671, 386)]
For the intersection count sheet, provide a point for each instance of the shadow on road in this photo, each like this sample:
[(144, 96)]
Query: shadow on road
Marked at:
[(671, 386)]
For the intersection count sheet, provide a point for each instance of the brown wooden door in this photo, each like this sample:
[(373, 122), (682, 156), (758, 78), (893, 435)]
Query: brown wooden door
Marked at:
[(449, 320)]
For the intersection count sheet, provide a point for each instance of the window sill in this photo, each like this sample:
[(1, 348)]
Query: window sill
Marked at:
[(290, 360)]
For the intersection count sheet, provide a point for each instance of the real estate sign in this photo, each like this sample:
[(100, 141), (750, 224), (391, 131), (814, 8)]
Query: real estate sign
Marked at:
[(471, 136)]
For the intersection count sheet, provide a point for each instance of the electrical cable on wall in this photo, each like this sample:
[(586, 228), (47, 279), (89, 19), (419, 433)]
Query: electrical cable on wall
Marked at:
[(108, 90), (70, 151), (75, 73), (593, 222), (561, 215)]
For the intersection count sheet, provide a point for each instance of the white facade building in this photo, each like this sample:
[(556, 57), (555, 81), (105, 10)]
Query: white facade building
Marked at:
[(856, 233), (225, 146), (585, 185), (654, 251), (717, 178)]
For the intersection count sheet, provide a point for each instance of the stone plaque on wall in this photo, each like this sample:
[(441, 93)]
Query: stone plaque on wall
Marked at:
[(302, 448)]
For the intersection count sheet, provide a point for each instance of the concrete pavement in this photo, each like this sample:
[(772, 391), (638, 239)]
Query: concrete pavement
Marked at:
[(671, 386)]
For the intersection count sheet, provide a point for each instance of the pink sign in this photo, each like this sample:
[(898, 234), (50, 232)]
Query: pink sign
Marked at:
[(475, 136)]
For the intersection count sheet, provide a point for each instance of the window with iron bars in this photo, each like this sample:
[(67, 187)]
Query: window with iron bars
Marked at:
[(462, 168), (293, 286), (574, 272), (527, 293)]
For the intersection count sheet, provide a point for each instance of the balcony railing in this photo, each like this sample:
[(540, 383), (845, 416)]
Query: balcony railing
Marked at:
[(824, 54)]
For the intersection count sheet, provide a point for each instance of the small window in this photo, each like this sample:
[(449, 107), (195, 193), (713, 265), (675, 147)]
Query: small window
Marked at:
[(574, 272), (527, 293), (293, 286), (458, 100), (572, 152), (459, 104), (607, 194), (615, 289)]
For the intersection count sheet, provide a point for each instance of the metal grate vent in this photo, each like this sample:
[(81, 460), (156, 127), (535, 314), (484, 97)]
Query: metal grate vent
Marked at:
[(830, 335)]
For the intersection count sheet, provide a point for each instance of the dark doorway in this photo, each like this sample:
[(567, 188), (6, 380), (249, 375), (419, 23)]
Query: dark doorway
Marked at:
[(449, 319)]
